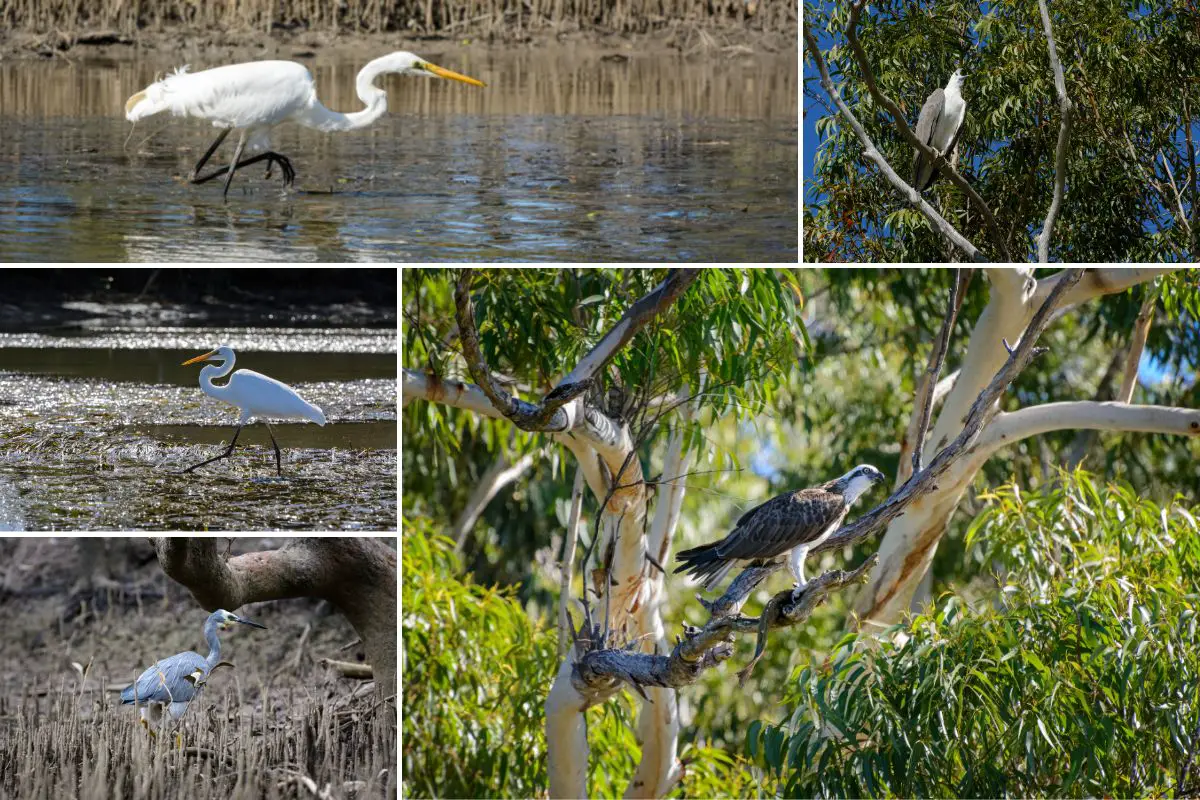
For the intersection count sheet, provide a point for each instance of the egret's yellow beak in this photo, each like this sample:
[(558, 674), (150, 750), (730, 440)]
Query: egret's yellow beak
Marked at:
[(442, 72), (207, 355)]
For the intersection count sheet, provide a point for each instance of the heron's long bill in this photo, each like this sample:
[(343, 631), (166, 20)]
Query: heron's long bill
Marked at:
[(252, 624), (199, 358), (442, 72)]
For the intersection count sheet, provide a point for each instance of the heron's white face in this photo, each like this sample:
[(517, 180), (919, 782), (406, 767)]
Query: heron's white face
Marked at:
[(407, 63), (957, 78)]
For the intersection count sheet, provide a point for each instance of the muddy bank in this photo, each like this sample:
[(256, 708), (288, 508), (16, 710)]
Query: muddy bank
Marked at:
[(188, 43)]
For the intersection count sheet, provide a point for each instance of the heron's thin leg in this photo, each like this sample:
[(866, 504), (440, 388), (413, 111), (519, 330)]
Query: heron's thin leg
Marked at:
[(236, 155), (271, 433), (228, 451), (285, 165), (204, 158)]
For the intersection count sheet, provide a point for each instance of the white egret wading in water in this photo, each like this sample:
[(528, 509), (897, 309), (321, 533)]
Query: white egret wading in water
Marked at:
[(255, 96), (174, 682), (255, 394)]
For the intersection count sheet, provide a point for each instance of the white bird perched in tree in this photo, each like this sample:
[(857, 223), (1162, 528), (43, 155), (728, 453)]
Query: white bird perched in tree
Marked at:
[(255, 96), (255, 395), (938, 126)]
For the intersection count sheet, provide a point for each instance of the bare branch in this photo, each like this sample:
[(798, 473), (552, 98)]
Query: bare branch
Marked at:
[(455, 393), (1137, 344), (940, 161), (498, 475), (924, 400), (1011, 427), (908, 193), (926, 481), (1097, 282), (568, 562), (599, 672), (550, 414), (1066, 110), (356, 575)]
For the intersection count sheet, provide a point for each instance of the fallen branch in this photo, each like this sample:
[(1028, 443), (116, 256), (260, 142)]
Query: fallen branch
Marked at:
[(349, 669)]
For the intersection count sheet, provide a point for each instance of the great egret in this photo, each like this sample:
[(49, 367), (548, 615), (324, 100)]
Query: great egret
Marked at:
[(255, 96), (256, 395)]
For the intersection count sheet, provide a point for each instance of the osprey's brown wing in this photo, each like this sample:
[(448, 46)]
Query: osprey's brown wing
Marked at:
[(781, 523)]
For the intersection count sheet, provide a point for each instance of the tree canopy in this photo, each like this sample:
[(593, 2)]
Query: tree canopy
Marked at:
[(1131, 186), (754, 382)]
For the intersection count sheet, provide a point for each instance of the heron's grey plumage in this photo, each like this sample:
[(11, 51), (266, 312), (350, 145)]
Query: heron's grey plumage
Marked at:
[(938, 126), (791, 522), (175, 681)]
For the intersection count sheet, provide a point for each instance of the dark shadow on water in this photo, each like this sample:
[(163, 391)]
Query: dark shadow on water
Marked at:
[(380, 435), (165, 366)]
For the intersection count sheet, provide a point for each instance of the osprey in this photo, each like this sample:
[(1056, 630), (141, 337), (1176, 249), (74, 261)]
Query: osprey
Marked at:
[(795, 521), (938, 126)]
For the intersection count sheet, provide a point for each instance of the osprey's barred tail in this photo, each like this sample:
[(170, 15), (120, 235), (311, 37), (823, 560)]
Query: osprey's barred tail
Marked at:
[(704, 564)]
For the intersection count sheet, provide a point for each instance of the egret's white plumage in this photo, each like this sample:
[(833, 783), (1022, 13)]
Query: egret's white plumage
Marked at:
[(257, 396), (255, 96)]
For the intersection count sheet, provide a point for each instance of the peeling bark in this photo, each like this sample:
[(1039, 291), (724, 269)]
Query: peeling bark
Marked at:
[(908, 546)]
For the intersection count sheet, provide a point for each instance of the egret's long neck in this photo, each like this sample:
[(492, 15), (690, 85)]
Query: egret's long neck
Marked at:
[(214, 643), (375, 99), (210, 373)]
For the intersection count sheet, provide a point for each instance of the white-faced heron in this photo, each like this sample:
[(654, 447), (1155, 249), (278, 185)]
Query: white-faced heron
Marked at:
[(175, 681)]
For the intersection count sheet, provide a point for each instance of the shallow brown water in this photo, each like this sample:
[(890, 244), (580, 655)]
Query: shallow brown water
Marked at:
[(559, 158)]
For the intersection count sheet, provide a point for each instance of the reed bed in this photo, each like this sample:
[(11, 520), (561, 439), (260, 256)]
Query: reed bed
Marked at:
[(415, 17), (253, 742)]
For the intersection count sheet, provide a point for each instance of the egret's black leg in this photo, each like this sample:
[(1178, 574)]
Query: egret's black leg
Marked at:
[(271, 433), (228, 451), (236, 155), (204, 158), (285, 166)]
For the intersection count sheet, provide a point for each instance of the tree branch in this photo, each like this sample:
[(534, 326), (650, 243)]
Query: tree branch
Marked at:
[(1097, 282), (600, 670), (498, 475), (568, 562), (908, 193), (1066, 110), (1137, 344), (940, 161), (923, 407), (356, 575), (454, 393), (1010, 427), (551, 414), (926, 480)]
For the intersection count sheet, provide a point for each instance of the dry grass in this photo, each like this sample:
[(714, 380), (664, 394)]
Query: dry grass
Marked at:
[(414, 17), (65, 743), (278, 724)]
